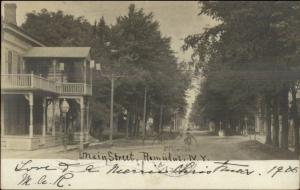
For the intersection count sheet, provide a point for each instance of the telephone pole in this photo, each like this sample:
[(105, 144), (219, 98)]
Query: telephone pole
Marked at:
[(111, 123), (112, 78), (160, 119), (144, 115)]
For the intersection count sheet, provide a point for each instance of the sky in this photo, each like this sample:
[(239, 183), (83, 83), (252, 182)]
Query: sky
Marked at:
[(177, 19)]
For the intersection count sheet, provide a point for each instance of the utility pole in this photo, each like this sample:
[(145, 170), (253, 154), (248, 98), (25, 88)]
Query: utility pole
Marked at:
[(112, 78), (144, 115), (160, 119), (174, 121), (111, 110)]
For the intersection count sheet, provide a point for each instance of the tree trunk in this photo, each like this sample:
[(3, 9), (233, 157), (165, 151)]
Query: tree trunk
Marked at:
[(285, 116), (133, 124), (127, 124), (260, 122), (239, 128), (136, 124), (275, 122), (268, 121), (130, 123), (156, 121), (295, 117)]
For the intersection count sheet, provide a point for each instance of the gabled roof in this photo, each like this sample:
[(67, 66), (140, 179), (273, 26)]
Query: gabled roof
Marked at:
[(58, 52), (16, 30)]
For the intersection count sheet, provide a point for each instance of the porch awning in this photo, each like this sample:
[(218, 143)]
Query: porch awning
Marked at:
[(58, 52)]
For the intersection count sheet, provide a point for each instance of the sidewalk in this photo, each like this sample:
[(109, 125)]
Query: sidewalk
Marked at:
[(56, 151), (262, 140), (123, 145), (37, 153)]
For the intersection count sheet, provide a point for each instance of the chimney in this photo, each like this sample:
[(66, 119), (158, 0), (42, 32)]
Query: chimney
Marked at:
[(10, 13)]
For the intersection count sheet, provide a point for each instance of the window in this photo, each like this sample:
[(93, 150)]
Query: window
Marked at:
[(9, 62)]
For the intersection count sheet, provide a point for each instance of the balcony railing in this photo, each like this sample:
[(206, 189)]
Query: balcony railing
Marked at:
[(74, 89), (26, 82), (34, 82)]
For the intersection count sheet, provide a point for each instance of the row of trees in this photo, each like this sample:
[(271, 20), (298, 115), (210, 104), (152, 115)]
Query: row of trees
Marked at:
[(250, 37), (154, 69), (136, 49)]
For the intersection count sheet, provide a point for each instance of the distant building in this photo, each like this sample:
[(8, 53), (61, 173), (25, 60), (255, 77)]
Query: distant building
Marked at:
[(35, 79)]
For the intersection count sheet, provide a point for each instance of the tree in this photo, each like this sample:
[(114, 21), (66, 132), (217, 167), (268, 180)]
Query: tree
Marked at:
[(250, 36), (58, 29), (137, 34), (100, 101), (295, 117)]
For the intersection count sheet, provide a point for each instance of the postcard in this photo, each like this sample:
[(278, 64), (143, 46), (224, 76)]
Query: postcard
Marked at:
[(150, 95)]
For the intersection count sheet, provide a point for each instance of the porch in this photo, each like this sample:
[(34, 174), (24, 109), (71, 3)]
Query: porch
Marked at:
[(32, 121), (22, 142)]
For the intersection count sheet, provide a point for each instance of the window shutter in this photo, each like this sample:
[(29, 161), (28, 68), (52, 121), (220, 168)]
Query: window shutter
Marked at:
[(5, 65)]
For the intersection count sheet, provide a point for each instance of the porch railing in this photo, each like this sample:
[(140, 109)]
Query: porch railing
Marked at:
[(74, 89), (34, 82), (26, 82)]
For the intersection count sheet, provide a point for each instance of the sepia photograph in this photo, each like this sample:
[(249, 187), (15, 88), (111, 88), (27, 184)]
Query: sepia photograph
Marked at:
[(150, 94)]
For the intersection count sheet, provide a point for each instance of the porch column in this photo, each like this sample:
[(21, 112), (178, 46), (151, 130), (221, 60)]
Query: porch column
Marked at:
[(81, 122), (45, 117), (53, 117), (30, 115), (2, 119), (87, 120), (84, 76), (84, 71), (54, 68)]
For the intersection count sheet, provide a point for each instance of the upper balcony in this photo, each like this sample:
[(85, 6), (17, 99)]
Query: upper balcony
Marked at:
[(31, 82), (26, 82), (59, 70)]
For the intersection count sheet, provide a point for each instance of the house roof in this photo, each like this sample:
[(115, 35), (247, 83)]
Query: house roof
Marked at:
[(21, 33), (58, 52)]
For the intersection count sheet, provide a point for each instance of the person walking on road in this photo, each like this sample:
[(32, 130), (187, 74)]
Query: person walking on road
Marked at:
[(188, 139)]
